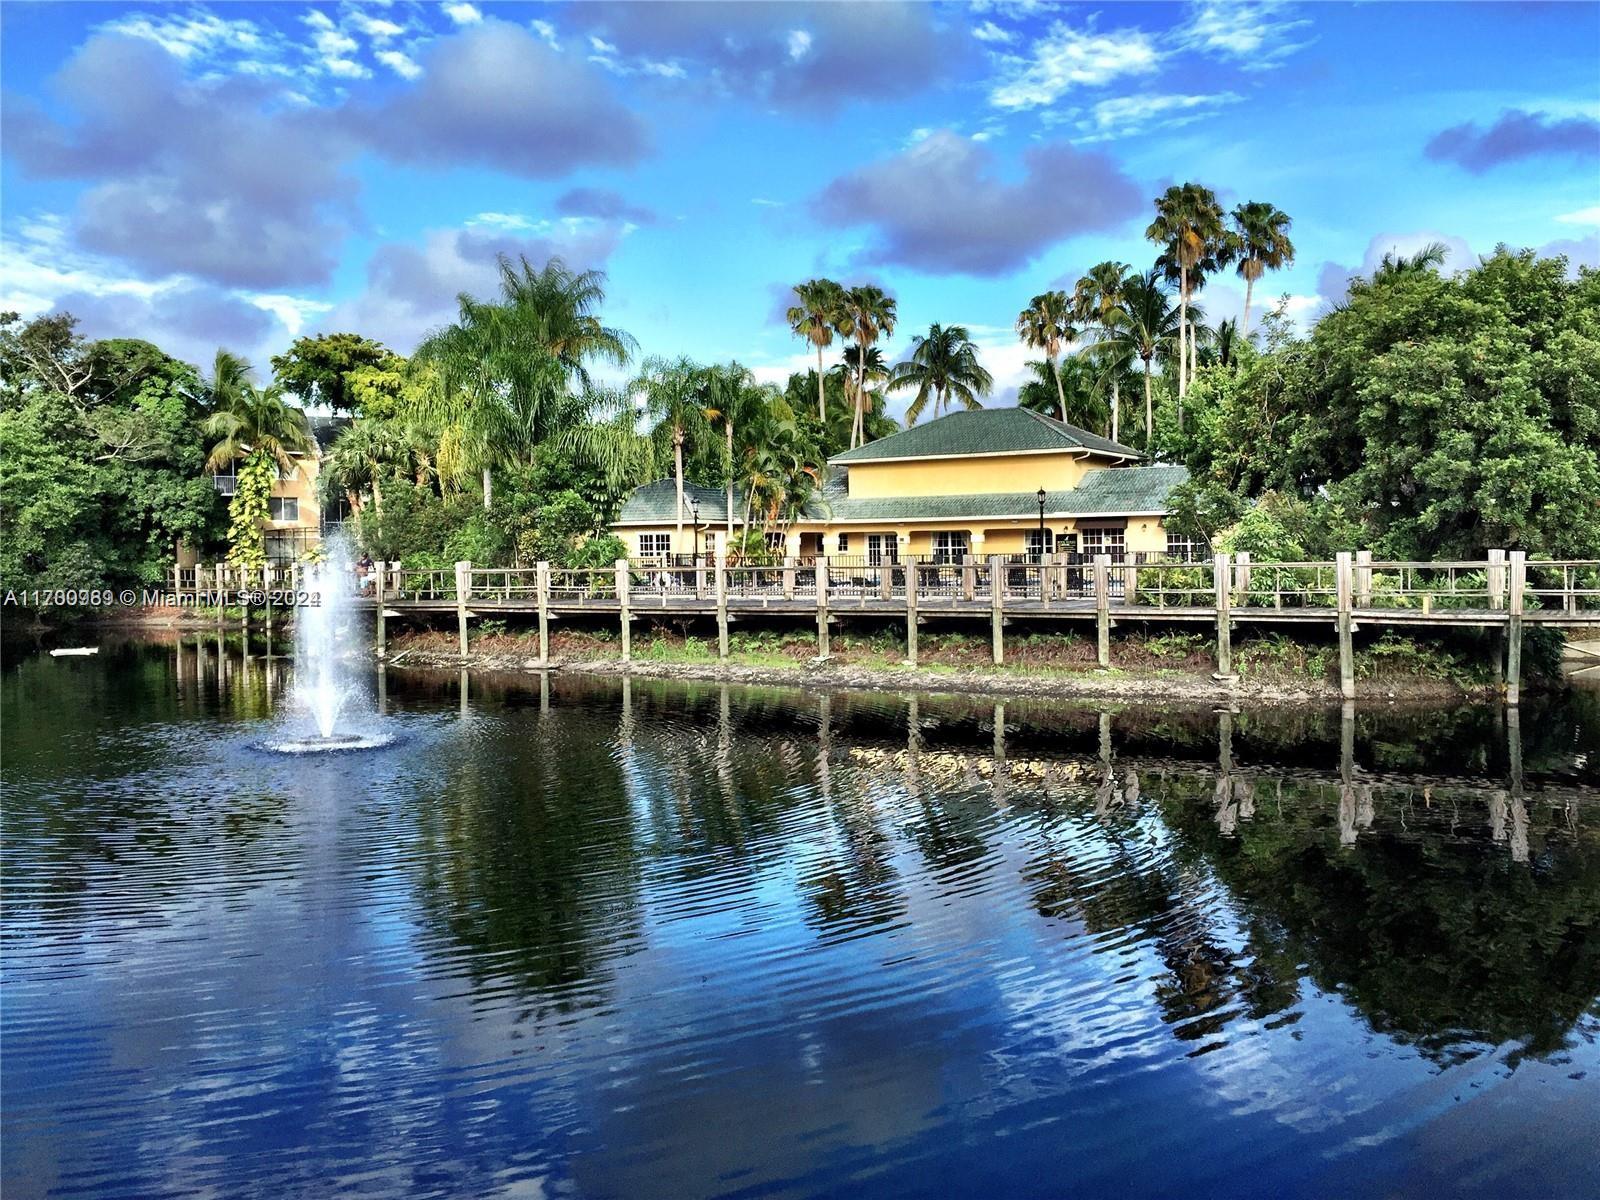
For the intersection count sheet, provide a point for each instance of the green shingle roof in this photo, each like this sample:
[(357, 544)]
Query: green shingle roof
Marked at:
[(984, 431), (658, 501), (1112, 492)]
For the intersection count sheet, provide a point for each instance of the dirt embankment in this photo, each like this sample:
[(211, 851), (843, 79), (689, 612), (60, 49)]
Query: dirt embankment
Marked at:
[(1141, 673)]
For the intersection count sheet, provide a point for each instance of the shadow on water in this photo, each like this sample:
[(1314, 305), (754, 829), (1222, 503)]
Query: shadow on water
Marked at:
[(629, 912)]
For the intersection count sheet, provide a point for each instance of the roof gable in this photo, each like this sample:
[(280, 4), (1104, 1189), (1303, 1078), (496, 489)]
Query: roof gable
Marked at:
[(985, 431)]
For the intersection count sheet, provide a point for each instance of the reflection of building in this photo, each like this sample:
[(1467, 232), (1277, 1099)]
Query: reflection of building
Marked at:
[(967, 483), (294, 520)]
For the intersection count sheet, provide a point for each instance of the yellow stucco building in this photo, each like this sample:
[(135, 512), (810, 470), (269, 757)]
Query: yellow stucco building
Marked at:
[(294, 522), (990, 481)]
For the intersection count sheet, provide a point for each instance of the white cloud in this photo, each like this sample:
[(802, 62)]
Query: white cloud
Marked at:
[(399, 62), (765, 203), (601, 46), (1066, 58), (664, 70), (1583, 216), (292, 311), (993, 34), (499, 220), (547, 32), (1254, 33), (463, 13), (345, 68), (1124, 115), (193, 35), (799, 44), (375, 28)]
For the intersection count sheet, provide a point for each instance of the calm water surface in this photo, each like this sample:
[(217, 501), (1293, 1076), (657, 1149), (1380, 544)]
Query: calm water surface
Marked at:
[(596, 939)]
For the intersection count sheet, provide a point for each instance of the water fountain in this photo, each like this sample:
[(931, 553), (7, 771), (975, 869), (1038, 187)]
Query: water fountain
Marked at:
[(326, 635)]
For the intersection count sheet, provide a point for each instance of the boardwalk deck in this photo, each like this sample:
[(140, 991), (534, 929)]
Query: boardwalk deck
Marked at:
[(1503, 593)]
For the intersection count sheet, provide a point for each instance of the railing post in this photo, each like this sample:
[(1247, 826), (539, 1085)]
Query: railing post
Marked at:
[(885, 578), (720, 579), (699, 577), (1363, 580), (463, 589), (266, 597), (911, 613), (1241, 577), (788, 577), (997, 589), (625, 616), (1496, 574), (541, 575), (177, 579), (822, 606), (1224, 604), (969, 577), (1519, 583), (1344, 588), (379, 586), (218, 597), (1102, 609)]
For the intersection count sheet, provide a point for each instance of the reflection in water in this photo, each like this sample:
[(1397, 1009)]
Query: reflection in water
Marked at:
[(626, 937)]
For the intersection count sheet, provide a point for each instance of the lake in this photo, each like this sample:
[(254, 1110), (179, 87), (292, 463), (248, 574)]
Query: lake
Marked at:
[(585, 937)]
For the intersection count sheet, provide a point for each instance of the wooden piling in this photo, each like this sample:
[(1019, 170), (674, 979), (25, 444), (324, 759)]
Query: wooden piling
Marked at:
[(463, 588), (1363, 579), (1519, 583), (822, 607), (1344, 590), (911, 613), (720, 580), (1102, 608), (381, 634), (1224, 603), (541, 576), (997, 589), (624, 615)]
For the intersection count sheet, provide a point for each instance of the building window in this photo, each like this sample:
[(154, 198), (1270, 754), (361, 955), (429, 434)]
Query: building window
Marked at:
[(881, 548), (773, 540), (225, 482), (283, 508), (844, 542), (1113, 542), (1185, 549), (949, 547), (1041, 542), (655, 545)]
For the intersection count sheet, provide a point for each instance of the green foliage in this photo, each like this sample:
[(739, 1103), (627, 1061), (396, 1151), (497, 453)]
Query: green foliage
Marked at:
[(248, 511), (1425, 418), (318, 369), (100, 459)]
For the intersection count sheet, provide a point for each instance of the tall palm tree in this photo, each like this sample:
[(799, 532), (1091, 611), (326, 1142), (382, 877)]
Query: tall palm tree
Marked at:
[(364, 453), (819, 315), (735, 400), (1262, 231), (1046, 324), (1098, 299), (559, 306), (943, 366), (671, 395), (1428, 258), (1073, 378), (868, 314), (251, 422), (1188, 228), (1148, 331)]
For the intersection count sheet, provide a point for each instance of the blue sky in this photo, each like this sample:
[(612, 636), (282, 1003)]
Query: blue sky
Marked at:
[(235, 174)]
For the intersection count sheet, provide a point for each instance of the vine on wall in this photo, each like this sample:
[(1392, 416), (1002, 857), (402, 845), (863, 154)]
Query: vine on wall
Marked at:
[(248, 511)]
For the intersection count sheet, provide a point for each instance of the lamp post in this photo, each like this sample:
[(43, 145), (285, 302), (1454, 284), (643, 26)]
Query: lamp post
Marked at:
[(1042, 496), (694, 513)]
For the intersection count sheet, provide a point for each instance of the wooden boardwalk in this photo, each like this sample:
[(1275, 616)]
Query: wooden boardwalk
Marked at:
[(1504, 593)]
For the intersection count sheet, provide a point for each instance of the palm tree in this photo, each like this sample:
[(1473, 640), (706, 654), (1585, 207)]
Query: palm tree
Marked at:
[(250, 422), (943, 366), (734, 398), (1069, 390), (1225, 341), (1046, 324), (1098, 299), (1148, 330), (671, 396), (868, 313), (1262, 231), (1188, 226), (558, 306), (819, 315), (1428, 258), (363, 453)]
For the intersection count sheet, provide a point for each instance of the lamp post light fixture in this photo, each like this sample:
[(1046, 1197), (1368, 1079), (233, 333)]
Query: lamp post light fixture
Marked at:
[(1042, 496)]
